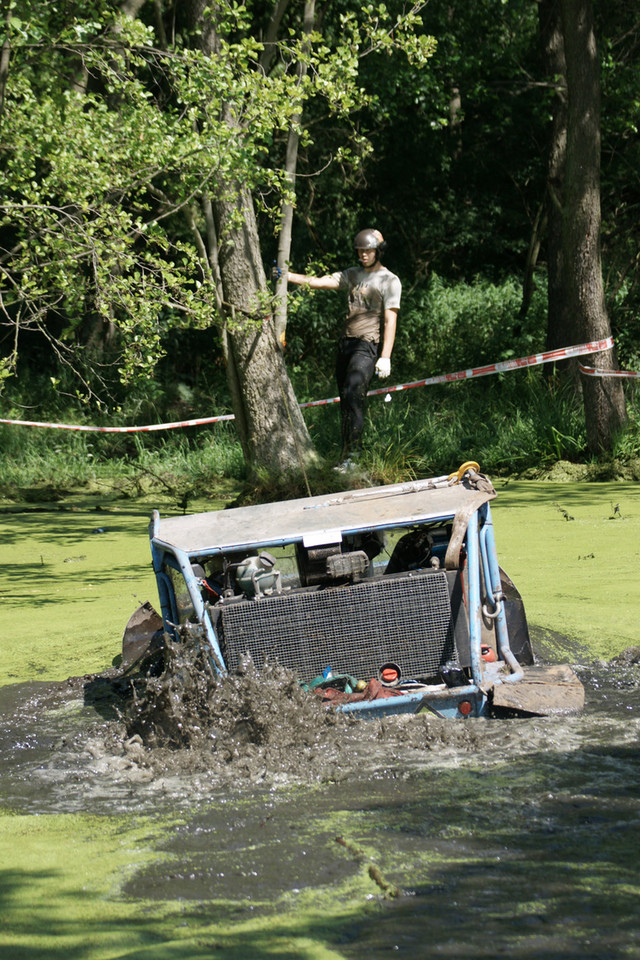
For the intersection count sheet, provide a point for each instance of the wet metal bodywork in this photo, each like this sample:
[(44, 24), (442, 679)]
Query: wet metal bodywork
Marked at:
[(355, 610)]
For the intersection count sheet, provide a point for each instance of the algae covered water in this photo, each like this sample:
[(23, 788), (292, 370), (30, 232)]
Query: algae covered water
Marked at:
[(270, 828), (347, 838)]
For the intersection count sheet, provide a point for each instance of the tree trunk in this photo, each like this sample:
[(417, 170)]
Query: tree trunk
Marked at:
[(5, 56), (528, 282), (272, 430), (270, 425), (286, 219), (559, 326), (581, 259)]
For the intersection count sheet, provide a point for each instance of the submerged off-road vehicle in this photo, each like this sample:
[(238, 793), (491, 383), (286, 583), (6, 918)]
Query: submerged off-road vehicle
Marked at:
[(383, 600)]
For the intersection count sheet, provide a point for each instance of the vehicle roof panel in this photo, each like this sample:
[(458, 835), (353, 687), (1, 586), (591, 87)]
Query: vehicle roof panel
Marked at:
[(316, 518)]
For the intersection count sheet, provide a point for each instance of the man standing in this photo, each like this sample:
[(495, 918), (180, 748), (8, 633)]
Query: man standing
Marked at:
[(374, 300)]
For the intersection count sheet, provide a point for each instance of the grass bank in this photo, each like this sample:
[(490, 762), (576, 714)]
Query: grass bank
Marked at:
[(525, 427)]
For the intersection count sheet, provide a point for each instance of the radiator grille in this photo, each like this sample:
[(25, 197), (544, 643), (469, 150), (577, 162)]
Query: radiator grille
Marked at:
[(356, 629)]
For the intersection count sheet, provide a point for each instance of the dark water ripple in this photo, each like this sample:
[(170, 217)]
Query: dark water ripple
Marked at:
[(501, 838)]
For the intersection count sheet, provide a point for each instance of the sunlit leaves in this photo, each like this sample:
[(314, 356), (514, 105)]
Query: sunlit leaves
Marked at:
[(109, 138)]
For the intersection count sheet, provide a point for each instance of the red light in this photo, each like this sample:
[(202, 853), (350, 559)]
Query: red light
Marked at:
[(389, 672), (465, 707)]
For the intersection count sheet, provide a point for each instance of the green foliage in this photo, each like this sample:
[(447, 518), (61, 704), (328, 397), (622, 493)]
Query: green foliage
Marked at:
[(506, 425), (110, 143), (519, 423), (51, 461), (454, 188), (40, 464), (448, 327), (112, 140), (626, 446)]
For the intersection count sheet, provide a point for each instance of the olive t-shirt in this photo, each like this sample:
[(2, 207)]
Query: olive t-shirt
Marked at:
[(370, 294)]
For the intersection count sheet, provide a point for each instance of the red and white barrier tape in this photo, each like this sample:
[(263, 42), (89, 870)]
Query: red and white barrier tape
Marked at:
[(592, 372), (148, 429), (563, 353)]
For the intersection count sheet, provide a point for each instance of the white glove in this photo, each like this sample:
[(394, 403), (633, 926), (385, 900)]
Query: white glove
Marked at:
[(383, 367)]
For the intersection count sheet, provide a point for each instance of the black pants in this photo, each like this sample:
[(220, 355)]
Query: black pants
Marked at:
[(355, 365)]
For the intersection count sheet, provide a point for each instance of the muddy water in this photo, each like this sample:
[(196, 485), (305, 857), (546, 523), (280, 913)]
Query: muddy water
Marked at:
[(409, 837), (269, 828)]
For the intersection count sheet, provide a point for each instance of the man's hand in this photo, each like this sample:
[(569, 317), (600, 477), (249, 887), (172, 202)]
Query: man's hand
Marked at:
[(383, 367), (276, 273)]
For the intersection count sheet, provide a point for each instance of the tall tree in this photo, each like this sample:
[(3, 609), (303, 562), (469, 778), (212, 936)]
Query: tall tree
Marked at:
[(286, 220), (270, 425), (131, 157), (554, 66), (581, 221)]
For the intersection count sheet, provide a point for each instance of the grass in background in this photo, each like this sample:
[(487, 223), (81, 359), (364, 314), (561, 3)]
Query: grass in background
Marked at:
[(43, 465), (508, 426), (516, 424)]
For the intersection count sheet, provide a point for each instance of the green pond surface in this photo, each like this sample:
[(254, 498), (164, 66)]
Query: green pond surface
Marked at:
[(420, 838)]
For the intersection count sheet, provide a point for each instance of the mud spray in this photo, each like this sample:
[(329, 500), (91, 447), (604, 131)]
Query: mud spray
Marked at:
[(177, 717), (188, 719)]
